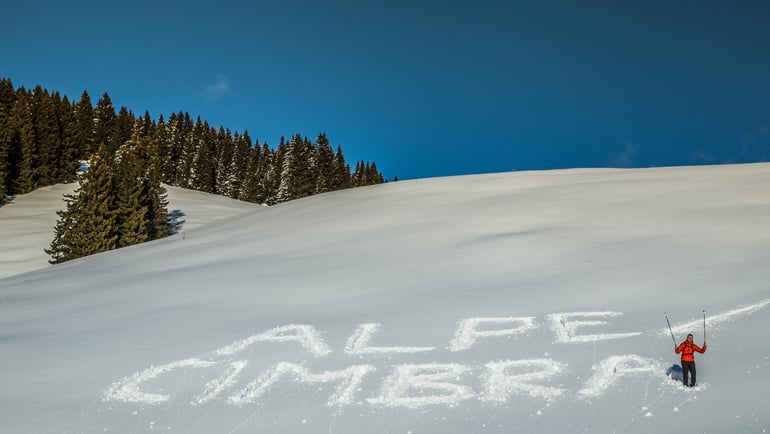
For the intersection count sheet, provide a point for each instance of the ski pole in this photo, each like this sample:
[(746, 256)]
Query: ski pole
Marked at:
[(704, 326), (669, 329)]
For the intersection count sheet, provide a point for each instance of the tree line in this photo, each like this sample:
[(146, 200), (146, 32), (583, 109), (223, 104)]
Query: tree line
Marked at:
[(44, 135), (121, 200)]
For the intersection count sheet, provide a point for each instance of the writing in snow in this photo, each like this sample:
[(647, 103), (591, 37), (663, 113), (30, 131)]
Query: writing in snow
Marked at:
[(405, 385)]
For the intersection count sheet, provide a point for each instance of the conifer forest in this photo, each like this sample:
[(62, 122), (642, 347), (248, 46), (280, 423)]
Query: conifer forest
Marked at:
[(45, 139)]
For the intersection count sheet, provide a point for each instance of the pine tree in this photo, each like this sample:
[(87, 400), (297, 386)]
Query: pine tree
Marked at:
[(223, 151), (285, 191), (124, 126), (176, 141), (238, 162), (342, 179), (148, 125), (273, 176), (298, 170), (357, 179), (308, 169), (7, 99), (105, 122), (154, 199), (46, 137), (162, 140), (325, 165), (250, 184), (24, 151), (373, 175), (129, 194), (261, 181), (85, 127), (203, 177), (191, 142), (69, 152), (64, 246), (89, 224), (132, 165)]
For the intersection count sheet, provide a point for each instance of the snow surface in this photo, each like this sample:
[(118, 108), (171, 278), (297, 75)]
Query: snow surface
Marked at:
[(514, 302)]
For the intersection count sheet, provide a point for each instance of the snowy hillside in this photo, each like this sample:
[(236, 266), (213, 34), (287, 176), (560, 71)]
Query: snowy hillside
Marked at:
[(27, 224), (516, 302)]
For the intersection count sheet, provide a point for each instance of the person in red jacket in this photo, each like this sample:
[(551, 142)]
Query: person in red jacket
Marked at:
[(688, 348)]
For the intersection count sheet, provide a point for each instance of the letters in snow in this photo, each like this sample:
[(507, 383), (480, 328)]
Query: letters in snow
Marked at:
[(437, 383)]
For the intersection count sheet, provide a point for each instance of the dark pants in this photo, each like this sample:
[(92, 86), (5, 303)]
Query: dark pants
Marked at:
[(687, 368)]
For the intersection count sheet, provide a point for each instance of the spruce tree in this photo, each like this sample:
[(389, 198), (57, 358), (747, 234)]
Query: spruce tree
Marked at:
[(64, 247), (357, 179), (250, 183), (89, 224), (105, 123), (24, 151), (308, 169), (148, 125), (273, 177), (223, 152), (162, 139), (203, 177), (191, 142), (237, 167), (298, 170), (46, 137), (260, 185), (325, 165), (124, 126), (342, 179), (154, 194), (85, 128), (156, 201), (7, 99), (266, 187), (285, 191), (129, 194), (372, 176), (176, 142), (69, 150)]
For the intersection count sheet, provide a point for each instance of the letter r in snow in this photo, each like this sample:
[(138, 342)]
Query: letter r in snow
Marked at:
[(500, 383)]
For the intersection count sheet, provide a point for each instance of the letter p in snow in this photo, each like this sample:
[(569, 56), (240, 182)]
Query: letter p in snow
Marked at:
[(468, 330)]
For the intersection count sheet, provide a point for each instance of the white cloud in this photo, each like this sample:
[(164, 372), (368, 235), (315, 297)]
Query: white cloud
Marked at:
[(218, 89), (625, 158)]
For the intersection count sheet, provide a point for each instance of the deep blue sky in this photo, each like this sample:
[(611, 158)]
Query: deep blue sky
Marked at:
[(425, 88)]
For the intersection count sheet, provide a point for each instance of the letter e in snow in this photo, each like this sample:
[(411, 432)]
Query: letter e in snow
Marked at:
[(566, 328)]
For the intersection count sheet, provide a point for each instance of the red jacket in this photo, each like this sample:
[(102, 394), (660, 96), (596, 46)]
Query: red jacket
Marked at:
[(688, 349)]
